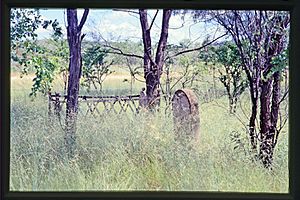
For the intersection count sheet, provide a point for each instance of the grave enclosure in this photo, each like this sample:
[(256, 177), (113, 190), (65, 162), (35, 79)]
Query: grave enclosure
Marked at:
[(185, 108), (94, 105)]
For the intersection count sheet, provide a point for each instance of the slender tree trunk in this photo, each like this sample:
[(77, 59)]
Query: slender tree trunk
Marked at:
[(153, 68), (266, 136), (269, 112), (160, 55), (214, 81), (147, 51), (160, 52), (74, 40), (269, 117), (252, 125), (275, 106), (230, 98)]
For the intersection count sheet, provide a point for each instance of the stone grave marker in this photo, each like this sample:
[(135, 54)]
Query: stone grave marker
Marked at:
[(186, 114)]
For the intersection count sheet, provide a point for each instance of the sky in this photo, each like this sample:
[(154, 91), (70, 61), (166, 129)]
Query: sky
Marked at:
[(119, 25)]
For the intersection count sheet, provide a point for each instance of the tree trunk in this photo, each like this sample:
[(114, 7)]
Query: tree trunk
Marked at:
[(160, 52), (153, 68), (266, 136), (148, 74), (74, 40), (275, 106), (269, 113), (260, 39), (252, 126), (269, 117), (159, 58)]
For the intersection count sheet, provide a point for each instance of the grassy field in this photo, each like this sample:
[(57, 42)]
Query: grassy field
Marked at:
[(136, 152)]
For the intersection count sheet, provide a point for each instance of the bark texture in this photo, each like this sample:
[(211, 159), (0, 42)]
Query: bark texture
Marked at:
[(260, 37), (153, 67), (74, 41)]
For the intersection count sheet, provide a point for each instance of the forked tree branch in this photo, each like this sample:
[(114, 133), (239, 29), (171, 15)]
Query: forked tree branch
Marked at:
[(83, 19)]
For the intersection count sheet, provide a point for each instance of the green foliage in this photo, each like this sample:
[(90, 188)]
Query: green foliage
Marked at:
[(228, 56), (208, 54), (94, 56), (95, 68), (44, 75), (185, 43), (45, 61), (279, 62), (57, 30), (24, 23), (227, 60), (192, 71), (30, 54), (188, 65)]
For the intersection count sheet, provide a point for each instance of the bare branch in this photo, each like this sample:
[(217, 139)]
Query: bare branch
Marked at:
[(284, 96), (180, 78), (83, 19), (65, 19), (279, 130), (153, 20), (120, 52), (146, 38), (133, 75), (196, 49), (124, 54), (124, 10)]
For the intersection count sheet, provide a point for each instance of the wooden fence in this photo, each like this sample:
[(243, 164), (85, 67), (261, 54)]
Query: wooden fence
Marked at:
[(94, 105)]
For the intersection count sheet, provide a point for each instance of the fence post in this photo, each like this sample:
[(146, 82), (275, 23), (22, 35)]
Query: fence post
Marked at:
[(57, 105), (49, 105)]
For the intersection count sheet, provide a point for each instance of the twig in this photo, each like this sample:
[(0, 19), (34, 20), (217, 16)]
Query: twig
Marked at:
[(153, 20), (284, 96), (128, 11), (195, 49), (120, 52)]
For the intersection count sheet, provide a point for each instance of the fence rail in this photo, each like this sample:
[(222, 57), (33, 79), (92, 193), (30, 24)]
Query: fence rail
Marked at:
[(94, 105)]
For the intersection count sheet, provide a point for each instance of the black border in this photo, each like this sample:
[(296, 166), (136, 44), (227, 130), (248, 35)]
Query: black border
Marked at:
[(294, 140)]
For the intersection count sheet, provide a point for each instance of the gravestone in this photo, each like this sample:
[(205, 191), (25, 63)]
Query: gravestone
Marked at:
[(186, 114)]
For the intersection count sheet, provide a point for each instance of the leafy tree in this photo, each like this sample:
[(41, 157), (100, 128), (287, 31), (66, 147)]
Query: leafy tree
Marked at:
[(45, 61), (231, 73), (95, 68), (23, 23), (29, 53), (261, 37)]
